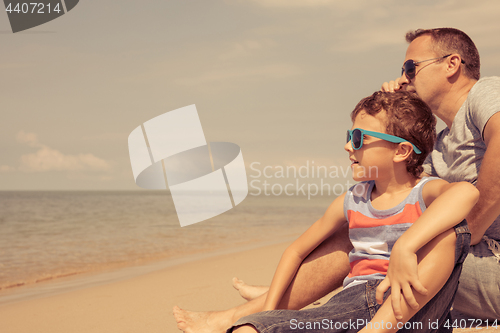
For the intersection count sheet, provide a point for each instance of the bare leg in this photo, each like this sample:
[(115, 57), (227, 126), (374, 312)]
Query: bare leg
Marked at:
[(321, 272), (436, 262), (203, 322), (246, 329), (247, 291)]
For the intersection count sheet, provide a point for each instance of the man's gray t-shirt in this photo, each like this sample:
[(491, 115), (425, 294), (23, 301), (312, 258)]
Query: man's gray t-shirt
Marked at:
[(459, 150)]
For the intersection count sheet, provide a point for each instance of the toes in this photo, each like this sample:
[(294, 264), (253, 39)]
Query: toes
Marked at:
[(180, 318), (237, 283), (179, 314), (182, 326)]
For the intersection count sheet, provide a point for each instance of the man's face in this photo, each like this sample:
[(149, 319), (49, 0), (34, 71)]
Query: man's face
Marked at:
[(428, 80)]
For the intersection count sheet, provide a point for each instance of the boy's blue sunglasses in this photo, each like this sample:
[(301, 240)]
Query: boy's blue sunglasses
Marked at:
[(356, 138)]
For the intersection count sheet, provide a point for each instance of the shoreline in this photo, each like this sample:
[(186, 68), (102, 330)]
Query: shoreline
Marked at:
[(144, 302), (45, 236), (79, 280)]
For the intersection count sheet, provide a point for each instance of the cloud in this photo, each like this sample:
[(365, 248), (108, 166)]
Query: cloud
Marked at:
[(49, 159), (277, 71), (246, 48), (102, 137), (360, 26), (365, 40), (6, 168), (30, 139), (302, 3)]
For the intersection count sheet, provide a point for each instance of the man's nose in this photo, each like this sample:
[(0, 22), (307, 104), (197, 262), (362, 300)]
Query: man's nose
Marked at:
[(403, 81)]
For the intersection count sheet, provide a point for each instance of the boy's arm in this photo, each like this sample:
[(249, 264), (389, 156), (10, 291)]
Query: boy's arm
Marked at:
[(448, 204), (305, 244), (436, 263)]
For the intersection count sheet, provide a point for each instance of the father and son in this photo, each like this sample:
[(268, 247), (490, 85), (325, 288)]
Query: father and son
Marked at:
[(397, 241)]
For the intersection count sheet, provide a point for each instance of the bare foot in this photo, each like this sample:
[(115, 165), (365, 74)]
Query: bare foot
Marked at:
[(248, 292), (202, 322)]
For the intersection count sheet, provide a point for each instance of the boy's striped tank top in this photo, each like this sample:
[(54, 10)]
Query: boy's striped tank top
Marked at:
[(373, 232)]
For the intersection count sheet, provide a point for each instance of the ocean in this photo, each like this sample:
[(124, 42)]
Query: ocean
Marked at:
[(45, 235)]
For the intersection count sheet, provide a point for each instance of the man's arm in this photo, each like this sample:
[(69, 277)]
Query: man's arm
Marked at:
[(488, 183)]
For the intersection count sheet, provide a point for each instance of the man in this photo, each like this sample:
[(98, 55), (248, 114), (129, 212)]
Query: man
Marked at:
[(442, 67)]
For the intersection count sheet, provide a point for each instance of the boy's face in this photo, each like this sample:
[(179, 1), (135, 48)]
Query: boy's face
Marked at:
[(374, 158)]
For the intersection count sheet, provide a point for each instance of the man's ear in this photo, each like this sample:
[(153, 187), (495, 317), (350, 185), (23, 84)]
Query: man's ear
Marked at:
[(403, 152), (454, 61)]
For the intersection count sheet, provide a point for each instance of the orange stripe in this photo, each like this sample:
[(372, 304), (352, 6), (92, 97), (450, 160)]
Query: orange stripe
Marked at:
[(368, 266), (409, 214)]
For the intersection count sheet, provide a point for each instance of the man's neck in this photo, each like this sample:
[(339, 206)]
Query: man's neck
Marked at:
[(453, 100)]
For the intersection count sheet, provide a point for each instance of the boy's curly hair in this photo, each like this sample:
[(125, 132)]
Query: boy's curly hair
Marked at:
[(407, 117)]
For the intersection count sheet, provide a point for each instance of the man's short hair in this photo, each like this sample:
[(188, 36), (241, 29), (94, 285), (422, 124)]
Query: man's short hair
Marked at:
[(449, 41), (407, 117)]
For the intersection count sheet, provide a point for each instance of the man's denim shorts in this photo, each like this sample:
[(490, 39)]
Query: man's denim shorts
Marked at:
[(353, 308), (478, 295)]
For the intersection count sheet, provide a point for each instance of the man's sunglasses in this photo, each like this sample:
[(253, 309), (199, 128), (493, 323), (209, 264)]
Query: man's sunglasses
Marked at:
[(356, 138), (410, 69)]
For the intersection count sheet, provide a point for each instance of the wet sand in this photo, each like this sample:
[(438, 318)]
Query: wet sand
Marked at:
[(144, 303)]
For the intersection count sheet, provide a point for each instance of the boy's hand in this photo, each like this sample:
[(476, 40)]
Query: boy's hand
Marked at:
[(391, 86), (401, 275)]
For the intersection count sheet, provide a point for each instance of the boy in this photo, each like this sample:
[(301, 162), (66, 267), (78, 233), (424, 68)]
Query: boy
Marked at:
[(404, 231)]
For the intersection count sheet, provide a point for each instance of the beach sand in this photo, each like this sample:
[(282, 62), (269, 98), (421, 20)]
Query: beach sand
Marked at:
[(144, 303)]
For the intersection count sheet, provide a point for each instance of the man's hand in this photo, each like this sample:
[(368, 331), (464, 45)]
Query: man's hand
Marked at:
[(402, 276), (392, 86)]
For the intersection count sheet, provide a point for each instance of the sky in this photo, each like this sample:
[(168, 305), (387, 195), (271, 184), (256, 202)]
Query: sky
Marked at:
[(277, 77)]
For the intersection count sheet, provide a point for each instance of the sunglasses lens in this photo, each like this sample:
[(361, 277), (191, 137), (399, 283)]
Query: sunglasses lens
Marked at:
[(356, 139), (409, 69)]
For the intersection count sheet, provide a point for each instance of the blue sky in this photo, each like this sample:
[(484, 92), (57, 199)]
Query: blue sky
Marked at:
[(277, 77)]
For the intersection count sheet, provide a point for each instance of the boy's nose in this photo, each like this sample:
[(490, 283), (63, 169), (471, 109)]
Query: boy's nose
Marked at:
[(348, 147)]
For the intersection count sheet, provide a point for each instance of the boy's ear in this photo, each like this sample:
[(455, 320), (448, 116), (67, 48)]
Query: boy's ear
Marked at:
[(403, 152)]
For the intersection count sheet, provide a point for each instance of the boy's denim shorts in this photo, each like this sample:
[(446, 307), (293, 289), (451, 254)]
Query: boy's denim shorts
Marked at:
[(353, 308)]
